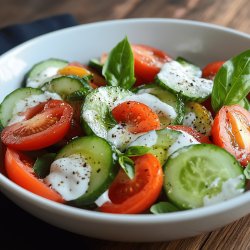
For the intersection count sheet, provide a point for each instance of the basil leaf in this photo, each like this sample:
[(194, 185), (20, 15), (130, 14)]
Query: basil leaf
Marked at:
[(247, 171), (137, 150), (232, 82), (42, 164), (163, 207), (127, 165), (118, 69)]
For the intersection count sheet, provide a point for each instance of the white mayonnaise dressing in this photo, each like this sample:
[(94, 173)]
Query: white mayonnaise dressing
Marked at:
[(43, 77), (148, 140), (159, 107), (175, 74), (229, 190), (103, 198), (189, 119), (29, 102), (120, 137), (69, 176), (183, 140)]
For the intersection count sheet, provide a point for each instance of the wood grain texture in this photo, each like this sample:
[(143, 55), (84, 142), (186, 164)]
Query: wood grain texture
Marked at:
[(230, 13)]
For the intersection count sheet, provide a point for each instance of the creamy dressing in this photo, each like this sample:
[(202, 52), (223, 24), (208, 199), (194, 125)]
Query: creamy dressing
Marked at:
[(29, 102), (120, 137), (148, 140), (184, 139), (42, 77), (103, 198), (69, 176), (189, 119), (229, 190), (159, 107), (174, 74)]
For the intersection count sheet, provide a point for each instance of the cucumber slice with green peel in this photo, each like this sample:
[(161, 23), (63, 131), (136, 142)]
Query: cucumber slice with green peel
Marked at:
[(95, 64), (98, 154), (198, 118), (175, 78), (201, 175), (190, 67), (9, 103), (167, 97), (159, 142), (43, 70), (96, 111), (66, 85)]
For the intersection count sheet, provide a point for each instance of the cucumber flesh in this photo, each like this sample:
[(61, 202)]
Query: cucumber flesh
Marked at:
[(190, 67), (175, 78), (98, 154), (96, 111), (43, 70), (66, 86), (8, 106), (202, 174)]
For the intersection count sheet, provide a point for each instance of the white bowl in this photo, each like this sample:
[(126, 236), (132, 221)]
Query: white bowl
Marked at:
[(198, 42)]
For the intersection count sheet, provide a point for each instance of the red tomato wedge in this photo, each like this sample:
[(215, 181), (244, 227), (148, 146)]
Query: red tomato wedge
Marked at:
[(43, 128), (136, 195), (19, 170), (198, 136), (137, 116), (211, 69), (148, 61), (231, 131)]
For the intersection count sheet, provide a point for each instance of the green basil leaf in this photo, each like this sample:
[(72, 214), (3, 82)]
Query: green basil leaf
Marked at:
[(127, 165), (118, 69), (163, 207), (247, 171), (42, 164), (137, 150), (232, 82)]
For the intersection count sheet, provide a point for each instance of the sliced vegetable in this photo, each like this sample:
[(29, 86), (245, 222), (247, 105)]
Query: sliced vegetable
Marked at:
[(211, 69), (230, 131), (190, 67), (201, 175), (42, 129), (74, 70), (163, 207), (42, 164), (135, 196), (19, 170)]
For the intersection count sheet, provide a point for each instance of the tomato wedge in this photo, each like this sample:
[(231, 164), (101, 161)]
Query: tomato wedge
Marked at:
[(19, 170), (42, 128), (135, 196), (198, 136), (137, 116), (148, 61), (231, 131), (211, 69)]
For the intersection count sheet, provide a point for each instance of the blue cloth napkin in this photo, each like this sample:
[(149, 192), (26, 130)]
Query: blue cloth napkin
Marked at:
[(13, 35), (18, 228)]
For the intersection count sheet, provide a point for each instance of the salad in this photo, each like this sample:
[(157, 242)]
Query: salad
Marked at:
[(134, 131)]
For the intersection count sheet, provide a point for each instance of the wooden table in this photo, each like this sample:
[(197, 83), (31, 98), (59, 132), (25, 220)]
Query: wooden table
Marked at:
[(27, 230)]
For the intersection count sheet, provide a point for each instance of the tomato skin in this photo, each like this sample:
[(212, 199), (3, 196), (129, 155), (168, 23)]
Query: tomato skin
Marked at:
[(19, 169), (41, 130), (136, 195), (148, 61), (198, 136), (211, 69), (230, 131), (137, 116)]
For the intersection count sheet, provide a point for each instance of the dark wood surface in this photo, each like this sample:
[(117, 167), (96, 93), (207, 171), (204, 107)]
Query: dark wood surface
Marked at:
[(230, 13)]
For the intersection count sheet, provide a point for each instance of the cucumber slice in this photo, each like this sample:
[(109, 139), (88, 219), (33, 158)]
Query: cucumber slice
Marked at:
[(167, 97), (190, 67), (198, 118), (43, 70), (66, 86), (97, 153), (95, 64), (175, 78), (202, 174), (9, 103), (96, 112), (159, 141)]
